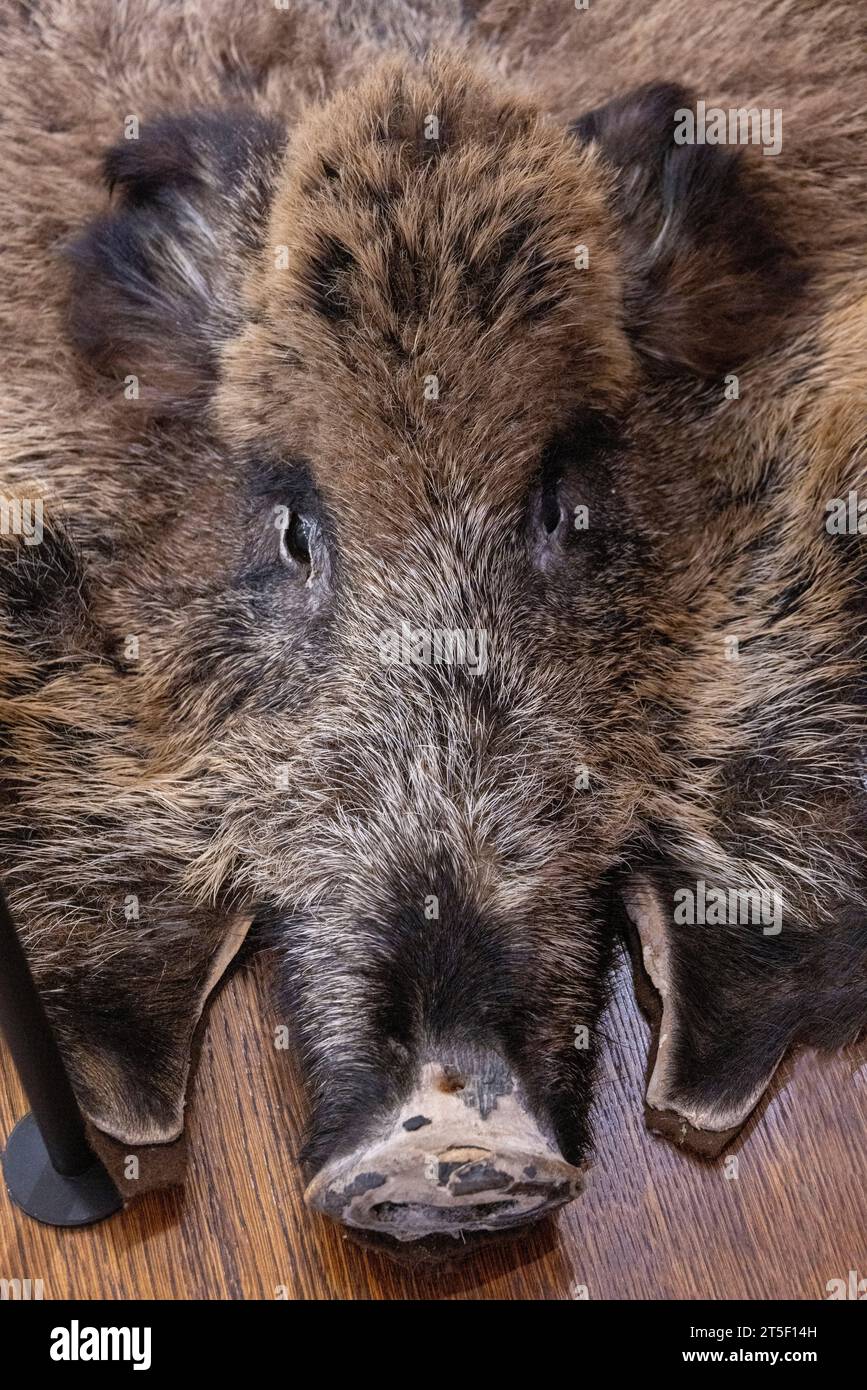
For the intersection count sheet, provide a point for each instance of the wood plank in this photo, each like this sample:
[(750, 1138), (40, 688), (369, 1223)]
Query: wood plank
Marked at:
[(653, 1223)]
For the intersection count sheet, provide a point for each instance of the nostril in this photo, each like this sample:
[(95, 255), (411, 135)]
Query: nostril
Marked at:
[(463, 1173), (421, 1219)]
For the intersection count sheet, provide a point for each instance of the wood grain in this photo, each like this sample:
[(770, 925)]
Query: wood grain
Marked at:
[(653, 1223)]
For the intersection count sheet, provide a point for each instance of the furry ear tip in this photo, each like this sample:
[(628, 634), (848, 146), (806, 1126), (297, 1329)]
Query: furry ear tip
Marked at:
[(654, 105), (643, 115), (160, 156), (710, 281)]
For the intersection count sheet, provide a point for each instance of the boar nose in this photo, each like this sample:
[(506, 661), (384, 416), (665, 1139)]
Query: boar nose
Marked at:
[(463, 1154)]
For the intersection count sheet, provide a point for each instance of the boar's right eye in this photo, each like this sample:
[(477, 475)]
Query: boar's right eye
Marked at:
[(295, 544)]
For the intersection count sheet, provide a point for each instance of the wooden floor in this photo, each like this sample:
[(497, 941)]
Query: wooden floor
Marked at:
[(652, 1224)]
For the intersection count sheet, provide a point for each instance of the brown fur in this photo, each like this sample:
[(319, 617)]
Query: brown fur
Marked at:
[(406, 258)]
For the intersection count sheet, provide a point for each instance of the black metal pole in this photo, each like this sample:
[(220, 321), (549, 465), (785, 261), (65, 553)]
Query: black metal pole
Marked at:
[(50, 1169), (36, 1055)]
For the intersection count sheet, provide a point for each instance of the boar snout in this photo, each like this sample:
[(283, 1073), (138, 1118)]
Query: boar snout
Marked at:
[(457, 1157)]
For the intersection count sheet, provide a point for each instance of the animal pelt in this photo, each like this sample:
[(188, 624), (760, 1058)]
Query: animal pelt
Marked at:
[(228, 245)]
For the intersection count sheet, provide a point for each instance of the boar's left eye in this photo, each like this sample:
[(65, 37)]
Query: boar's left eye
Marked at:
[(551, 509), (549, 526), (295, 543)]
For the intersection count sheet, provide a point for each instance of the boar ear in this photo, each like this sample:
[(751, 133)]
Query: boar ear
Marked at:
[(726, 1001), (707, 277), (156, 280), (124, 985)]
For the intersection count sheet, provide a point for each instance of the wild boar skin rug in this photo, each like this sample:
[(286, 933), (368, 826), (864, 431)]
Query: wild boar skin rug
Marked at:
[(128, 846)]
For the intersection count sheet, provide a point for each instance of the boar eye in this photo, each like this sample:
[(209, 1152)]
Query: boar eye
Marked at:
[(551, 509), (295, 543)]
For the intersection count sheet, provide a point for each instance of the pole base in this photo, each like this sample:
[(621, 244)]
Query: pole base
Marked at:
[(46, 1195)]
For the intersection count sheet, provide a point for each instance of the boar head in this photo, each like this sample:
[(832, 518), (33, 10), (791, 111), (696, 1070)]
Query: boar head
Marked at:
[(390, 532)]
